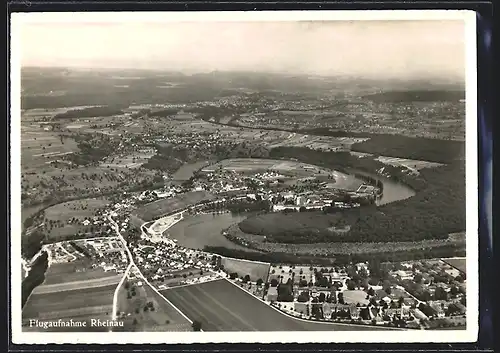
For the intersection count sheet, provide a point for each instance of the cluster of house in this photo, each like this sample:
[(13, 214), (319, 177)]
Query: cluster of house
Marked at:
[(290, 200), (105, 253), (297, 290), (440, 285), (165, 261), (219, 180)]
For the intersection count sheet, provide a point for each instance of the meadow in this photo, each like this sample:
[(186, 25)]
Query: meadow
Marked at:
[(163, 207), (256, 270)]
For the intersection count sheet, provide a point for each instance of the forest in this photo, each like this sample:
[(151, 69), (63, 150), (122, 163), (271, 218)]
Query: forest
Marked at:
[(451, 250), (89, 112), (419, 148)]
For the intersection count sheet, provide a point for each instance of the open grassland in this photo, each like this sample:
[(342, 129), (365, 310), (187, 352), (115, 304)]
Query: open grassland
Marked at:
[(254, 269), (407, 163), (163, 207), (221, 306), (138, 316), (70, 303), (458, 262), (256, 164)]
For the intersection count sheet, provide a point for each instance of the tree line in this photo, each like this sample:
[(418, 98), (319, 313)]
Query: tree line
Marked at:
[(35, 277)]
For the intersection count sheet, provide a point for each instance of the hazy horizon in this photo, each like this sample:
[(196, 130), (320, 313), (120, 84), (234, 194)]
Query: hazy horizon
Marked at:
[(370, 49)]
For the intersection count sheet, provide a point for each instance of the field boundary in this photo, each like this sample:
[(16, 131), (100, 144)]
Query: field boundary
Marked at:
[(192, 284), (169, 302), (244, 260), (451, 264)]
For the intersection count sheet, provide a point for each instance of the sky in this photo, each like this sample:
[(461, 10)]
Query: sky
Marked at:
[(404, 49)]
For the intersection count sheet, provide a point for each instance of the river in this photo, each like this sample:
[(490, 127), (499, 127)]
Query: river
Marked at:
[(187, 170), (205, 229), (393, 190)]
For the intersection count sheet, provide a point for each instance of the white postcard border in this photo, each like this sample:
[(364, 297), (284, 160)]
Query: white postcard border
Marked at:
[(410, 336)]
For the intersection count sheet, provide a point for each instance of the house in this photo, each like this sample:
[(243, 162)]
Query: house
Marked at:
[(404, 275), (409, 302), (272, 294), (392, 313), (439, 311), (354, 312), (362, 266), (387, 300)]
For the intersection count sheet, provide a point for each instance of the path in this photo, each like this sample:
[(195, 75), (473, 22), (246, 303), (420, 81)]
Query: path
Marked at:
[(67, 252), (114, 312)]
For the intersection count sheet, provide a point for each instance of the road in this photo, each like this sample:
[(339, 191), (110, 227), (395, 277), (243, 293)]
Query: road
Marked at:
[(139, 273)]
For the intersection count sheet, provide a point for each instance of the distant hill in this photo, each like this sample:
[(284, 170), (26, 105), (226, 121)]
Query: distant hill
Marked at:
[(417, 96)]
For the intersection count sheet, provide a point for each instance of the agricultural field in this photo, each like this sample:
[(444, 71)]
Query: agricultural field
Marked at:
[(113, 279), (65, 219), (320, 143), (222, 306), (56, 183), (458, 262), (131, 161), (40, 147), (256, 270), (146, 311), (165, 206), (78, 304), (101, 125)]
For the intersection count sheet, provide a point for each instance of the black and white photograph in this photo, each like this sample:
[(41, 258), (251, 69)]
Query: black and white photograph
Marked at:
[(198, 177)]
